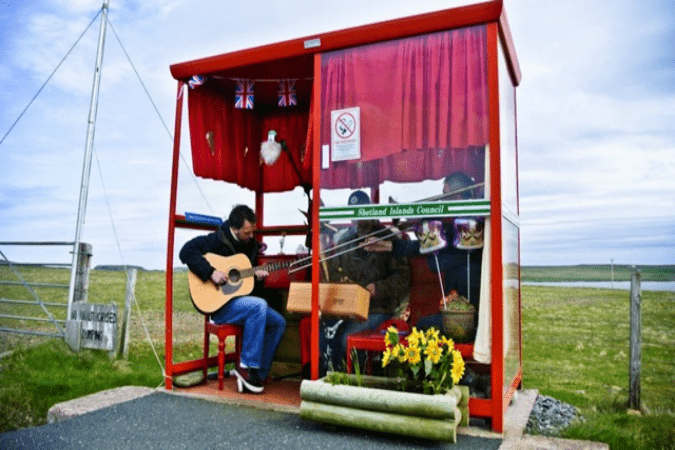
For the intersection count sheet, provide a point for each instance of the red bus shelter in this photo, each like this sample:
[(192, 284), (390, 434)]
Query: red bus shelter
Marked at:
[(389, 108)]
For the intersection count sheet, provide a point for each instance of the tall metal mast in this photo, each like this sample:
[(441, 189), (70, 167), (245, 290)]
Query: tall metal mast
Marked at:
[(86, 168)]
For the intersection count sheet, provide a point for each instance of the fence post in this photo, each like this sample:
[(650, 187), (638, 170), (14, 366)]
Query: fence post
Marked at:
[(131, 287), (635, 341), (82, 273)]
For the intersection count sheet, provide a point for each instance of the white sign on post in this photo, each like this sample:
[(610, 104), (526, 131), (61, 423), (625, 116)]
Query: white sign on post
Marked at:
[(92, 326), (345, 134)]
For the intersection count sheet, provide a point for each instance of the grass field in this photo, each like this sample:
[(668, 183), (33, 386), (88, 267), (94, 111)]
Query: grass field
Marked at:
[(575, 348), (595, 272)]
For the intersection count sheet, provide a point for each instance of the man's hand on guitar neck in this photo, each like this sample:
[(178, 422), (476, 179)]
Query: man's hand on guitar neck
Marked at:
[(260, 274), (218, 277)]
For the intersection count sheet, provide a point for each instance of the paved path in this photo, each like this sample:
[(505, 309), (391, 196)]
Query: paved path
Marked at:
[(165, 421), (133, 417)]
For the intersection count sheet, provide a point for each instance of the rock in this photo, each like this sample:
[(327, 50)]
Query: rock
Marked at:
[(550, 416)]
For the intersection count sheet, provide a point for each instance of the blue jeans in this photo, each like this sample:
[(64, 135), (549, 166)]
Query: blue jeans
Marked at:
[(433, 320), (333, 338), (436, 321), (263, 328)]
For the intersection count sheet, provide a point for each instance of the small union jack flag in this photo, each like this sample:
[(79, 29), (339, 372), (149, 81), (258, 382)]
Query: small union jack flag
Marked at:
[(286, 93), (196, 80), (243, 96)]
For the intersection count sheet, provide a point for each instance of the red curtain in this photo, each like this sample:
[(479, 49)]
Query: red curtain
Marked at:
[(423, 107), (233, 153), (423, 103)]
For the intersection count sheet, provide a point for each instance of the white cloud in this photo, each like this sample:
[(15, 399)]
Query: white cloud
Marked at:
[(595, 111)]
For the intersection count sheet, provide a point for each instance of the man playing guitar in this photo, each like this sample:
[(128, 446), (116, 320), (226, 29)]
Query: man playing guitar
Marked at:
[(263, 327)]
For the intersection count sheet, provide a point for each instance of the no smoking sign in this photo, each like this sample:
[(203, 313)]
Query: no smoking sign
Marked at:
[(345, 125), (346, 134)]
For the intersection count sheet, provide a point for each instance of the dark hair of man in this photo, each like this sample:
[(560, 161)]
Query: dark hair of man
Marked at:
[(239, 215)]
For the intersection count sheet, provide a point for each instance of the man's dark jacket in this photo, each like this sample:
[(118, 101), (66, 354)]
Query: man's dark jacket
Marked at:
[(220, 242), (390, 274)]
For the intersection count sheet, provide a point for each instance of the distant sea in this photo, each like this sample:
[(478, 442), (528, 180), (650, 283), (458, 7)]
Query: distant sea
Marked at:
[(622, 285)]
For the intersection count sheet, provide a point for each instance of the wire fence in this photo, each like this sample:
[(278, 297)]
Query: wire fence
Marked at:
[(584, 339), (34, 294)]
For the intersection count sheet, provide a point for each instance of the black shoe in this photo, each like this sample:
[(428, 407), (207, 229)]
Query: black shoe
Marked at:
[(470, 379), (248, 380)]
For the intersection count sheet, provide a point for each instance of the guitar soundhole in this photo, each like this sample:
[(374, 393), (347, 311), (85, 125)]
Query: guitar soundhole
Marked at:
[(233, 276)]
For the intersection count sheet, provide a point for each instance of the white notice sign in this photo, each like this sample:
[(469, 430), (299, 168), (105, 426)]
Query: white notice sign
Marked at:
[(97, 325), (345, 134)]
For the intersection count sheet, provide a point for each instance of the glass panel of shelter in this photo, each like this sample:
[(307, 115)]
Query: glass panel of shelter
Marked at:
[(391, 151)]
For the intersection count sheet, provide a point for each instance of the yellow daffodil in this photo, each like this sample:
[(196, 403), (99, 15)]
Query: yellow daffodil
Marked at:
[(433, 352), (432, 334), (413, 339), (399, 352), (386, 357), (457, 366), (424, 353), (414, 355)]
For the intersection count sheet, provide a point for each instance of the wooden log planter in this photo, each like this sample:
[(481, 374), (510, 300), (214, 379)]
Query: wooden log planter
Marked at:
[(377, 407)]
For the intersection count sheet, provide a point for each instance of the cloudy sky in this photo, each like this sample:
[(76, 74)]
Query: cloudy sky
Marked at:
[(596, 119)]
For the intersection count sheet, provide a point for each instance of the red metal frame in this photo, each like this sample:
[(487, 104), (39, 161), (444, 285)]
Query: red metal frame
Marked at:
[(480, 13), (316, 179), (264, 59), (168, 316), (496, 273)]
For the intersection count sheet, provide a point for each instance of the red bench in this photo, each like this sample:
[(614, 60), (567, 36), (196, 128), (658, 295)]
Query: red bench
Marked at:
[(425, 294)]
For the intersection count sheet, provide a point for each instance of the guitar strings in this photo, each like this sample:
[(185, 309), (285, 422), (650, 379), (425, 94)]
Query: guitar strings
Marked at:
[(394, 232)]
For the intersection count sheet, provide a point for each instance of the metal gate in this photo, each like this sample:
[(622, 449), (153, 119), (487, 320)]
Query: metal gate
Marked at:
[(34, 295)]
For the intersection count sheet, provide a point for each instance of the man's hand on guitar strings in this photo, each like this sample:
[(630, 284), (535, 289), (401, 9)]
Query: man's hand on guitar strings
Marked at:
[(218, 277), (372, 244), (260, 274)]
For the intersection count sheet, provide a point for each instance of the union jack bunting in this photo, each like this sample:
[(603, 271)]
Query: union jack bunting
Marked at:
[(196, 80), (286, 93), (243, 96)]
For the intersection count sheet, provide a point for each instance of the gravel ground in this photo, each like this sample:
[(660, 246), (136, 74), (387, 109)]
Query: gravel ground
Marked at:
[(550, 416)]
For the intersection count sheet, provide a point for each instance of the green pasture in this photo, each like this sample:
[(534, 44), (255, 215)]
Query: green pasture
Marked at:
[(575, 348), (597, 272)]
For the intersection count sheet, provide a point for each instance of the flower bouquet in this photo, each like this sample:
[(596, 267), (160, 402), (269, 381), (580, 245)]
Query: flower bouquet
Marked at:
[(425, 362)]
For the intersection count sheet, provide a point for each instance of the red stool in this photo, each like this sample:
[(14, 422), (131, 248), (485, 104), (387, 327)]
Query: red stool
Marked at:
[(222, 332)]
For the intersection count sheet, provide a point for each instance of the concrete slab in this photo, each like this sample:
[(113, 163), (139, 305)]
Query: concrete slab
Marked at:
[(76, 407), (518, 413), (549, 443)]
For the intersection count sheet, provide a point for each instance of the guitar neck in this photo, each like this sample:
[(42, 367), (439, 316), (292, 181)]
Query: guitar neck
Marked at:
[(271, 267)]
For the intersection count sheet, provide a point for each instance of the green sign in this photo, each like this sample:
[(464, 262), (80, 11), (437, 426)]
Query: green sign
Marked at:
[(409, 210)]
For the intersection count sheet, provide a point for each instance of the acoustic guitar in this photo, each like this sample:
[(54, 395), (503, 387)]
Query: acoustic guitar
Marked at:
[(208, 296)]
